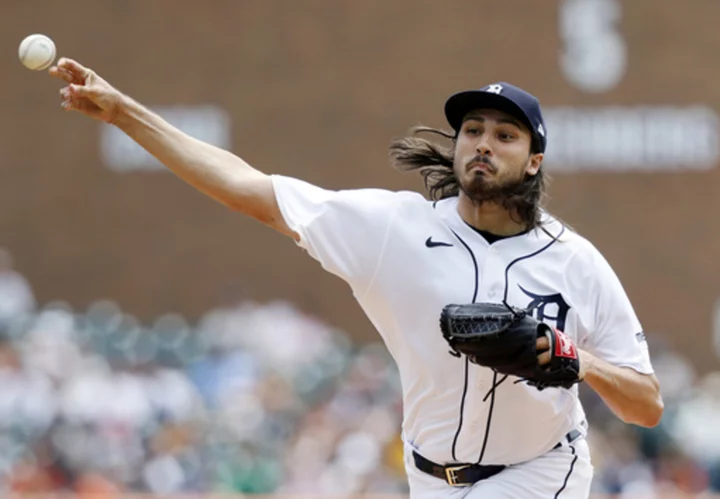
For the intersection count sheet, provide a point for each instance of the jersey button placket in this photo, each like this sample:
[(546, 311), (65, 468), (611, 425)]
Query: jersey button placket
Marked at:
[(492, 282)]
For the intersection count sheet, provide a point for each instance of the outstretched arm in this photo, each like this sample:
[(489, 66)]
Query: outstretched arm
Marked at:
[(218, 173)]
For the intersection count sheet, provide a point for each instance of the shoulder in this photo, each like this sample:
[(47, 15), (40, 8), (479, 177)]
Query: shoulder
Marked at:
[(445, 208), (584, 262), (568, 239), (285, 185)]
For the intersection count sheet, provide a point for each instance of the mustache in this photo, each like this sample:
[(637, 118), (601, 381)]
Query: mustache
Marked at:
[(481, 158)]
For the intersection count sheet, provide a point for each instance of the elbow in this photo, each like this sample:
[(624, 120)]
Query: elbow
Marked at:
[(650, 414), (650, 418)]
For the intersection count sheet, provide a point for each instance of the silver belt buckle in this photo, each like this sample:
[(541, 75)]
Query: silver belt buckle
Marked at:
[(451, 477)]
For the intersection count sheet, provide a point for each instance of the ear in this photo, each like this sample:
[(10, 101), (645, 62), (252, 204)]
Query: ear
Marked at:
[(534, 164)]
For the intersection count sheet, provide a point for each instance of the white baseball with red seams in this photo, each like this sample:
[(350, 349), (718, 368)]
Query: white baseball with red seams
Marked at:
[(37, 52)]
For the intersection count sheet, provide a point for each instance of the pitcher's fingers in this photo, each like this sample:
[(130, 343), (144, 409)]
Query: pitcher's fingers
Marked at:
[(544, 358), (63, 74), (542, 343), (75, 91), (67, 104), (74, 67)]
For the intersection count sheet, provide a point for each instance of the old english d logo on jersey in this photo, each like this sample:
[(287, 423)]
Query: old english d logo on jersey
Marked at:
[(546, 305)]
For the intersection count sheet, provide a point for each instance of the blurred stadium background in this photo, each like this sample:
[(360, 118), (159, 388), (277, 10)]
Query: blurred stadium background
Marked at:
[(154, 342)]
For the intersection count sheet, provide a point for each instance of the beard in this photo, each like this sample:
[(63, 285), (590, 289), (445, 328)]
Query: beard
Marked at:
[(480, 191), (520, 196), (506, 193)]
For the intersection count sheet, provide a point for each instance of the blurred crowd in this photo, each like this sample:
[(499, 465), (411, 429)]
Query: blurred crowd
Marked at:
[(258, 398)]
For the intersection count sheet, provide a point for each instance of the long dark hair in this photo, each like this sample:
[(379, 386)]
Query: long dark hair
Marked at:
[(434, 162)]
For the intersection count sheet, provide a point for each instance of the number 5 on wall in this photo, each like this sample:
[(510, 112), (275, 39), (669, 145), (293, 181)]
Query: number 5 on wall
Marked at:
[(594, 54)]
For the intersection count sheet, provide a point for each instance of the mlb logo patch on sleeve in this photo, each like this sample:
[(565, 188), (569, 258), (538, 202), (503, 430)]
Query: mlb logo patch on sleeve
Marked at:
[(640, 337)]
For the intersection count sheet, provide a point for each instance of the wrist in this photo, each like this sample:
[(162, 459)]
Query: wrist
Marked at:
[(587, 361), (122, 115)]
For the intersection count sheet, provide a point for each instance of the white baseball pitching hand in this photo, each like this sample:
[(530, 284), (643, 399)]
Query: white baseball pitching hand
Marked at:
[(86, 92)]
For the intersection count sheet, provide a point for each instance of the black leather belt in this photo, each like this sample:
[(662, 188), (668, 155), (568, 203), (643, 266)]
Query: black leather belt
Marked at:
[(458, 475)]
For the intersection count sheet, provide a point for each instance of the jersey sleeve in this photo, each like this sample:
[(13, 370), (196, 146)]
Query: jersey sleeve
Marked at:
[(343, 230), (613, 330)]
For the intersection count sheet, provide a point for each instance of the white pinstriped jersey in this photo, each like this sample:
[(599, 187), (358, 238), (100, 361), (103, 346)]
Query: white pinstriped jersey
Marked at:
[(405, 258)]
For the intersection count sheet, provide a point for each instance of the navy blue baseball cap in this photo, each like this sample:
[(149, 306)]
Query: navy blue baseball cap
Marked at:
[(504, 97)]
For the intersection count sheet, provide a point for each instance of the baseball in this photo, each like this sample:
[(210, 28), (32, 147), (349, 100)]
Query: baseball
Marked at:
[(37, 52)]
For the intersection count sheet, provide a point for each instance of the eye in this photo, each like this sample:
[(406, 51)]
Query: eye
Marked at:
[(505, 136), (472, 130)]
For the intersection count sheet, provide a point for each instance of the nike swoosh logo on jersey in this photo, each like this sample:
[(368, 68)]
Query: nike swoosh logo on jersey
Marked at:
[(434, 244)]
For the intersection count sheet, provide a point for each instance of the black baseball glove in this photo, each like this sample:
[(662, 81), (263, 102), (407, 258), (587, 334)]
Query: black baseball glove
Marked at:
[(505, 339)]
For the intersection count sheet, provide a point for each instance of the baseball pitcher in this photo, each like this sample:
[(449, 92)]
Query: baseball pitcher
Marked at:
[(493, 309)]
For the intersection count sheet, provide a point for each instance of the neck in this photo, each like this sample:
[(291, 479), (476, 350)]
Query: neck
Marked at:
[(489, 217)]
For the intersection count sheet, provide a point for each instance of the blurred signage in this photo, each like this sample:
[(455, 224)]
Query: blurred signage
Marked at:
[(593, 58), (594, 53), (632, 138)]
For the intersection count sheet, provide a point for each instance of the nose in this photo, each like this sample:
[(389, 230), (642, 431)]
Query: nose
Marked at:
[(482, 147)]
